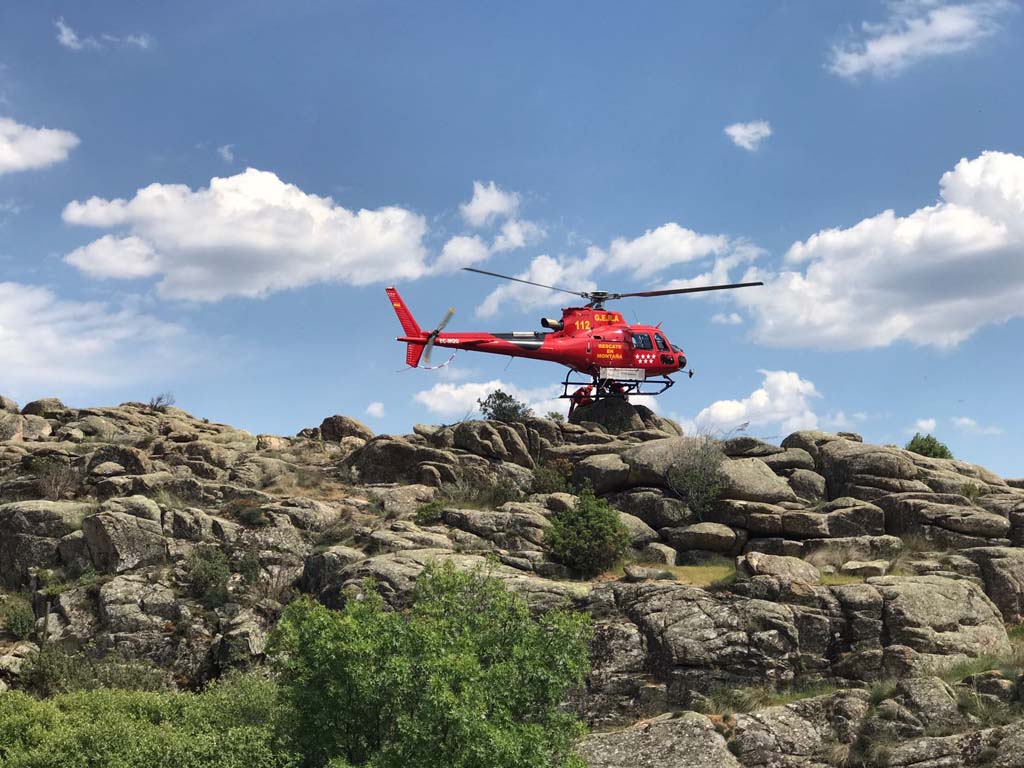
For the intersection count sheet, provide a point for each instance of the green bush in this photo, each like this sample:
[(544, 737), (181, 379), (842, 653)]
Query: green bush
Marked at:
[(588, 538), (55, 671), (466, 678), (249, 566), (232, 724), (552, 476), (209, 573), (19, 618), (480, 490), (928, 445), (696, 473), (430, 513), (501, 406)]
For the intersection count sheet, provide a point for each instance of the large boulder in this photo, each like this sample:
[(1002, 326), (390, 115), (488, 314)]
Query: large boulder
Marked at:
[(604, 473), (30, 532), (709, 537), (943, 621), (797, 734), (515, 527), (700, 641), (615, 414), (47, 408), (385, 459), (118, 542), (945, 519), (752, 480), (8, 405), (334, 428), (790, 568), (689, 739), (12, 426), (867, 472), (1002, 570), (493, 440)]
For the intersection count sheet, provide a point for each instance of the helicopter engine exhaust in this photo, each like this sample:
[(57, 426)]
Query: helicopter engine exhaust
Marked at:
[(550, 322)]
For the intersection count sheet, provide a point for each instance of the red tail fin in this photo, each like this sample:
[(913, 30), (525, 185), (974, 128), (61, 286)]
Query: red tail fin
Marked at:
[(409, 324), (413, 352)]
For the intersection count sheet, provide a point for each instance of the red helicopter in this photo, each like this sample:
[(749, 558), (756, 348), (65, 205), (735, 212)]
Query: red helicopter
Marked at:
[(619, 358)]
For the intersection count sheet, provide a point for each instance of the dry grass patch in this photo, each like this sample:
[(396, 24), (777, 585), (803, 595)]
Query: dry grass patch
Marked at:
[(714, 573), (836, 579)]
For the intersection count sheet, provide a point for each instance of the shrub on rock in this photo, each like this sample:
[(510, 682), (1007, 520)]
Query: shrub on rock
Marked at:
[(696, 473), (588, 538), (18, 618), (208, 569), (501, 406), (928, 445)]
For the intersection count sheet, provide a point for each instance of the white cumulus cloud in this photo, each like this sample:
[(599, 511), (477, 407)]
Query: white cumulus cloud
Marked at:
[(376, 410), (916, 30), (247, 235), (972, 427), (658, 249), (517, 233), (461, 251), (489, 202), (784, 399), (118, 257), (722, 318), (460, 400), (46, 341), (749, 135), (932, 277), (924, 425), (23, 147)]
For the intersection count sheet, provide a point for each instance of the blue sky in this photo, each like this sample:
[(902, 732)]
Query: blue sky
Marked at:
[(209, 199)]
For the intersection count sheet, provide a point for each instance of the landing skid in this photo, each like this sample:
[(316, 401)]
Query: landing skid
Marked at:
[(603, 388)]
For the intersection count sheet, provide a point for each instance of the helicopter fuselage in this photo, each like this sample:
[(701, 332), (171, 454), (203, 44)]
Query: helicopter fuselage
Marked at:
[(589, 340)]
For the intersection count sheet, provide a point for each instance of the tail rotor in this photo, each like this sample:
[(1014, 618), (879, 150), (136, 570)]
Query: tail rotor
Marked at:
[(433, 334)]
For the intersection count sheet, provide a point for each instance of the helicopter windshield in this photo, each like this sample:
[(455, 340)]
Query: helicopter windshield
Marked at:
[(676, 349), (662, 346)]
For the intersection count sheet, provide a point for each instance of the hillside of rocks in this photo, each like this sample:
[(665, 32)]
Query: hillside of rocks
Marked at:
[(839, 603)]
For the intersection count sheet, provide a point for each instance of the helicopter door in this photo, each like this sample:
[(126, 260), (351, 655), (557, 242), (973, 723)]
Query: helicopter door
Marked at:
[(643, 350)]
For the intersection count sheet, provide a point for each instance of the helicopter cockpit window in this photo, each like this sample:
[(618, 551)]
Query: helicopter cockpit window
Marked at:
[(676, 349), (642, 341), (662, 346)]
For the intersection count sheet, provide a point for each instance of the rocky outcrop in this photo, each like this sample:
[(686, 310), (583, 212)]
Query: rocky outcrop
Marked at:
[(855, 565)]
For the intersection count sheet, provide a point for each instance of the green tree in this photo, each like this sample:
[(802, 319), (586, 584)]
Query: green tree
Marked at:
[(928, 445), (501, 406), (465, 678), (588, 538)]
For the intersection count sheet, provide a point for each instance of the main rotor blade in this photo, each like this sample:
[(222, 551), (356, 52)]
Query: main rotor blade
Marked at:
[(528, 282), (699, 289)]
